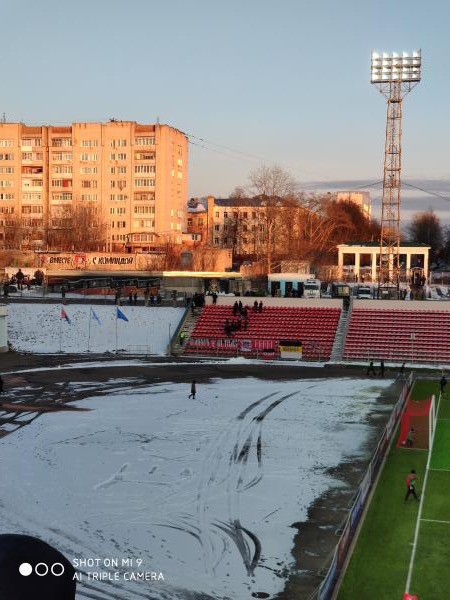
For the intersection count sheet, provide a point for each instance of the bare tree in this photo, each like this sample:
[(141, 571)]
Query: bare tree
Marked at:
[(274, 186)]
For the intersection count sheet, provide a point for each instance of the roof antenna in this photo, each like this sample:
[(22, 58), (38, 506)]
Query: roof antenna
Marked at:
[(3, 118)]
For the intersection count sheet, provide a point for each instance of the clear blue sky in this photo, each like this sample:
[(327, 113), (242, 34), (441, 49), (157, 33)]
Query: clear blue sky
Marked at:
[(284, 82)]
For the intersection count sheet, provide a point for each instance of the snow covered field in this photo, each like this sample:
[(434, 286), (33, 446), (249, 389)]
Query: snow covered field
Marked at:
[(202, 492)]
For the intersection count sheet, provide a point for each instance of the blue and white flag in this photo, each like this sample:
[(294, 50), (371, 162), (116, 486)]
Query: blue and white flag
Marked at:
[(95, 316), (120, 315)]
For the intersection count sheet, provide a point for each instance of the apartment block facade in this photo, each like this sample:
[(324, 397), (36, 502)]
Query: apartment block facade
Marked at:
[(133, 178)]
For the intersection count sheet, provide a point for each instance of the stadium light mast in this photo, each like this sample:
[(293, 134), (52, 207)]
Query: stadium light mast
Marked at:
[(395, 75)]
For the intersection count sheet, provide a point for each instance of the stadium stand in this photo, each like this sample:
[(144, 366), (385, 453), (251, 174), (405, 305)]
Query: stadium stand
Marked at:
[(419, 334), (314, 326)]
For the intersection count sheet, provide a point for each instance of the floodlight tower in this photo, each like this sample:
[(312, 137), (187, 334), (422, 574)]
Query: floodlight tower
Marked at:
[(395, 75)]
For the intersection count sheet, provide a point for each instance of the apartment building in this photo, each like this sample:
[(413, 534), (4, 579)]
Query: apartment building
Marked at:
[(132, 177)]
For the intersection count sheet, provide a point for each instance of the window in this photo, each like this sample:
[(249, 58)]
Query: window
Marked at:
[(244, 215), (33, 196), (144, 169), (89, 143), (189, 222), (121, 170), (5, 183), (216, 227), (144, 156), (8, 170), (216, 241), (89, 183), (120, 183), (28, 210), (144, 182), (217, 214), (144, 210), (62, 169), (88, 170), (200, 222), (61, 142), (4, 196), (6, 156), (118, 143), (121, 156), (88, 156), (31, 142), (253, 215), (6, 143), (144, 141), (225, 215), (63, 196), (89, 197), (144, 196)]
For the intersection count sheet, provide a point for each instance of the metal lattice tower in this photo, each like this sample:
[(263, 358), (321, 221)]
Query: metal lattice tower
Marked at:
[(395, 75)]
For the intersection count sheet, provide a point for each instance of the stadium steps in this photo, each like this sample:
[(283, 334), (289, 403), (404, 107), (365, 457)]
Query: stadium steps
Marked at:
[(188, 327), (337, 351)]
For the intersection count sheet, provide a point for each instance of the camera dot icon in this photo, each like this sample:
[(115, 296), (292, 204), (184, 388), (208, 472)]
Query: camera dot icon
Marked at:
[(41, 569), (25, 569)]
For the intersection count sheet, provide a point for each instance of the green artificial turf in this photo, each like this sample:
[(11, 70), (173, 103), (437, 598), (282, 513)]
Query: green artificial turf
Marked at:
[(380, 561)]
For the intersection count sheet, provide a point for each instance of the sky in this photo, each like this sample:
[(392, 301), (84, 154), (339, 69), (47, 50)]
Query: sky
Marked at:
[(251, 83)]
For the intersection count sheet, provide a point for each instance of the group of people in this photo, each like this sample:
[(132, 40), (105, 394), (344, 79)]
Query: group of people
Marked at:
[(238, 324), (371, 368)]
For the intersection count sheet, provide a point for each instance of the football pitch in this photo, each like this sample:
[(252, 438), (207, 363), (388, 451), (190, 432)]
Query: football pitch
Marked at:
[(403, 547)]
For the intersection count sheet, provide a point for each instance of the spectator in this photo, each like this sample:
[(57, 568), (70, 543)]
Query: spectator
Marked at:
[(260, 306), (255, 306), (443, 383), (20, 277)]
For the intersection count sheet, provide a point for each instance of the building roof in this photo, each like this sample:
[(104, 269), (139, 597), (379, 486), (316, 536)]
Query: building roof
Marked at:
[(239, 202), (377, 244)]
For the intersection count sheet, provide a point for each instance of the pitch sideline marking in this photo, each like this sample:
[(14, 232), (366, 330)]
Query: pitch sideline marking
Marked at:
[(436, 521), (422, 496)]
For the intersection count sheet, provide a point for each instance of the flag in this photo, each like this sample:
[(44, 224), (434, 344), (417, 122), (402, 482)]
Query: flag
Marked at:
[(65, 316), (120, 315), (95, 316)]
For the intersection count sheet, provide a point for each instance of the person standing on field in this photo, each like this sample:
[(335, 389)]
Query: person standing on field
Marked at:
[(193, 390), (411, 480)]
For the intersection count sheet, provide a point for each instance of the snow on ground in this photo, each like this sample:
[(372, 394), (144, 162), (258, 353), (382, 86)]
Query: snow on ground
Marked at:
[(195, 489), (39, 328)]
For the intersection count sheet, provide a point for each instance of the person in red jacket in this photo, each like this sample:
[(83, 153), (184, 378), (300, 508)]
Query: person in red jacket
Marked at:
[(411, 480)]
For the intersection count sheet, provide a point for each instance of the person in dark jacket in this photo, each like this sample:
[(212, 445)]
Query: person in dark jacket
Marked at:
[(193, 390)]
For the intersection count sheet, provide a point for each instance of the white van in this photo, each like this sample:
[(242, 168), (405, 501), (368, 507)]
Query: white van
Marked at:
[(364, 292)]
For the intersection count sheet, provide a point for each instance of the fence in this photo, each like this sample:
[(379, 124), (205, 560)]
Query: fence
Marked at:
[(341, 552)]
